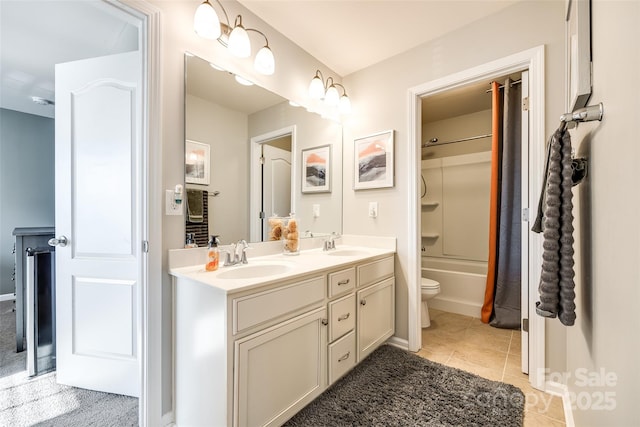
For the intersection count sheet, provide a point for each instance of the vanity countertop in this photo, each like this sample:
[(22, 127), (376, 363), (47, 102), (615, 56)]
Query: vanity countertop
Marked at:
[(286, 267)]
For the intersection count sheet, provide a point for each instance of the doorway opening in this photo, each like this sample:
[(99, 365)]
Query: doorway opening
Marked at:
[(125, 28), (272, 175), (530, 61)]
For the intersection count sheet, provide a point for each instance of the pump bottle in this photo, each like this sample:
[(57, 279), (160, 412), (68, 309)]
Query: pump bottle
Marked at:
[(213, 254)]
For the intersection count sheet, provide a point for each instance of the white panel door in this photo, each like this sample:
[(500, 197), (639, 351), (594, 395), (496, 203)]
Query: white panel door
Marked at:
[(98, 210), (276, 183)]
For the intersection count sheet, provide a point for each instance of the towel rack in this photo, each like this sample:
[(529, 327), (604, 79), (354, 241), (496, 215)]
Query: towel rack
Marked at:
[(586, 114)]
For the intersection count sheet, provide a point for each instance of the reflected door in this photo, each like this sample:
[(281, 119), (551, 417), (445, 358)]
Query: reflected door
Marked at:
[(98, 211), (276, 184)]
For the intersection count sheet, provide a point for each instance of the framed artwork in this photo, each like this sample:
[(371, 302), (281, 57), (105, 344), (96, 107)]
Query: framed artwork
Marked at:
[(197, 162), (316, 169), (578, 48), (373, 161)]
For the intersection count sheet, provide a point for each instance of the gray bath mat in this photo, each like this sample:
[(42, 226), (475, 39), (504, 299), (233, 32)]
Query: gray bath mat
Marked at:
[(393, 387)]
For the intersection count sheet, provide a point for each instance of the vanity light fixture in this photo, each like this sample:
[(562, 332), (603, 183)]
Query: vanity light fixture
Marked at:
[(207, 24), (328, 91)]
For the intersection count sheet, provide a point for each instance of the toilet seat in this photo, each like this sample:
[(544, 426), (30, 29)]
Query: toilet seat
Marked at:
[(429, 284)]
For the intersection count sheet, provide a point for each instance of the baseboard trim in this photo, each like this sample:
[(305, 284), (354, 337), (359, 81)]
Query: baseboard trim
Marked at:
[(398, 342), (7, 297), (168, 420), (559, 389)]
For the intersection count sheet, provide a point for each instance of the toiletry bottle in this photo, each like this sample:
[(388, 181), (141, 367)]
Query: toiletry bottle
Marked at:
[(213, 254), (191, 241)]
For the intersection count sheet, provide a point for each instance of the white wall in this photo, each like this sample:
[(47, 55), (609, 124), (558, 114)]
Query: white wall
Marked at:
[(26, 181), (605, 335), (380, 99), (226, 132)]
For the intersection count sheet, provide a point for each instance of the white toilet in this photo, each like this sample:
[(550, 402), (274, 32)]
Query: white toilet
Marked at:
[(429, 289)]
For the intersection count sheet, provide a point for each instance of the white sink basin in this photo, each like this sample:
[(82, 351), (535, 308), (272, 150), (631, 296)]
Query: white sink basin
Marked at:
[(348, 252), (250, 271)]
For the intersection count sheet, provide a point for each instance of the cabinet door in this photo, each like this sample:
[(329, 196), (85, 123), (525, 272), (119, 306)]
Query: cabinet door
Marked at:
[(280, 370), (376, 316)]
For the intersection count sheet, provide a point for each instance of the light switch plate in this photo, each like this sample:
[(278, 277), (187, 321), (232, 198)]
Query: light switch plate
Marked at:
[(171, 207), (316, 210), (373, 209)]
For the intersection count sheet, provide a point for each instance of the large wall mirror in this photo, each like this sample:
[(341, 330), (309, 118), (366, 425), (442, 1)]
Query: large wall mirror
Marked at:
[(249, 155)]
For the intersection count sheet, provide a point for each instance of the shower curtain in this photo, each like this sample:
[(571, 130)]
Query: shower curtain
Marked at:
[(501, 306)]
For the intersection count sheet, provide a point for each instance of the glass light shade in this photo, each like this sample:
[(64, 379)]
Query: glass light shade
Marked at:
[(206, 22), (316, 88), (243, 81), (332, 97), (239, 43), (265, 63), (345, 105)]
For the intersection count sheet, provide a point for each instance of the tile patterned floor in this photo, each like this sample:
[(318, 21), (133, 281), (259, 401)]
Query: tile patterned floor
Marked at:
[(466, 343)]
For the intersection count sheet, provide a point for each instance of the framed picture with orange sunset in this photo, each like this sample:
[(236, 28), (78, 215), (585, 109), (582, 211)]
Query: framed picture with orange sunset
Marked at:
[(373, 161), (316, 169)]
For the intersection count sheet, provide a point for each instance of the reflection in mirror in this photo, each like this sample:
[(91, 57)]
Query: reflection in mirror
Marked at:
[(254, 139)]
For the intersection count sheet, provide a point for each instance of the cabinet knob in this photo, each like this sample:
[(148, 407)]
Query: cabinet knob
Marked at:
[(363, 301), (325, 322)]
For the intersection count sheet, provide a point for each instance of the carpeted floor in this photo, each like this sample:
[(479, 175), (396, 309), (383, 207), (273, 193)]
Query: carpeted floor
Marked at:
[(393, 387), (40, 401)]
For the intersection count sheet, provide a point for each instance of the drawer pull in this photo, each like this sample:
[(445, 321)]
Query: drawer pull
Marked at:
[(363, 301), (345, 357), (344, 317), (343, 282)]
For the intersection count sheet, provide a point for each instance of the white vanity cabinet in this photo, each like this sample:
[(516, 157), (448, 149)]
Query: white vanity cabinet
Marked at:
[(255, 355), (279, 370), (376, 305)]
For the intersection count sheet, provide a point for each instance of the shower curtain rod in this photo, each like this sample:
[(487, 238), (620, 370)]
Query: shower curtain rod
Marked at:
[(515, 82), (434, 141)]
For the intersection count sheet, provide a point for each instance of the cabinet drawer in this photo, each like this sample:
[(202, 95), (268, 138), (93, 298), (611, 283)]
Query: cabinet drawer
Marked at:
[(261, 307), (375, 271), (342, 356), (342, 316), (342, 281)]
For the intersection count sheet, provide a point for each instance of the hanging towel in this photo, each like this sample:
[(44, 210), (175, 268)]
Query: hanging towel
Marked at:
[(194, 206), (555, 220)]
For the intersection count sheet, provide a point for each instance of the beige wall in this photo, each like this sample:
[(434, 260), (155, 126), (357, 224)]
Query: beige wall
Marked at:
[(380, 93), (451, 129), (311, 131), (605, 335), (226, 133)]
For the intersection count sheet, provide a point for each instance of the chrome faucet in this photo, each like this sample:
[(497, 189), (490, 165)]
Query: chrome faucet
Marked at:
[(239, 253), (330, 242)]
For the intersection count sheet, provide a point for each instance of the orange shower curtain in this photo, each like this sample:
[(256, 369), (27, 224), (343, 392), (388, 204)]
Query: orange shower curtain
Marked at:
[(487, 307)]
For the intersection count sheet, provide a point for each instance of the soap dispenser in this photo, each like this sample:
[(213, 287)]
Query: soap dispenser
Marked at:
[(191, 241), (213, 254)]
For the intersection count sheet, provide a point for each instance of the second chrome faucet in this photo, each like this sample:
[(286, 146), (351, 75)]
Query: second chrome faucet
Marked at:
[(237, 255)]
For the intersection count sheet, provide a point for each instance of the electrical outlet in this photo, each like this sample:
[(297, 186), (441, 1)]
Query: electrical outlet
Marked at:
[(373, 209), (171, 207), (316, 210)]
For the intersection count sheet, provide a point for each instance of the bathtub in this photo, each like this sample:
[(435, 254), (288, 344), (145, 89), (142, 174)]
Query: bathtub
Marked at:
[(462, 284)]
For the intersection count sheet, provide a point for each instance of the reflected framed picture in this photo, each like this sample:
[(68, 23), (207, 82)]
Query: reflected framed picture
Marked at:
[(373, 161), (197, 162), (316, 169)]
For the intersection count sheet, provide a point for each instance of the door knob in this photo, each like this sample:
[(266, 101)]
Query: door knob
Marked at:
[(60, 241)]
